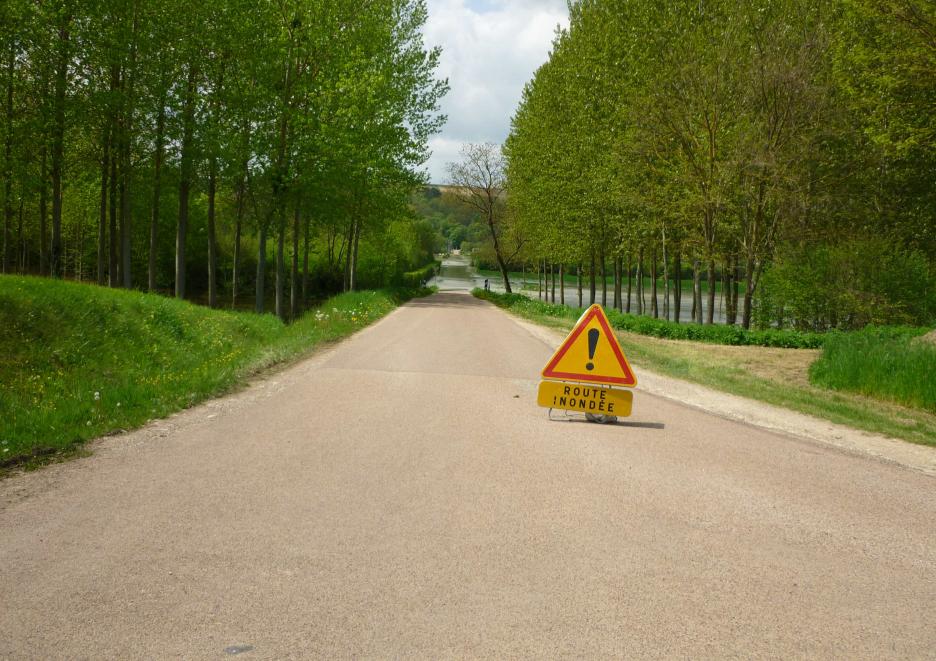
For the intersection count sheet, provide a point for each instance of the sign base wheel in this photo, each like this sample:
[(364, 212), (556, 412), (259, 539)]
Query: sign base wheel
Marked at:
[(600, 419)]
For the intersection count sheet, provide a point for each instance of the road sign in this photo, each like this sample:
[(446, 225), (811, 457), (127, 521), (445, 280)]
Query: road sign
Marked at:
[(586, 398), (591, 354)]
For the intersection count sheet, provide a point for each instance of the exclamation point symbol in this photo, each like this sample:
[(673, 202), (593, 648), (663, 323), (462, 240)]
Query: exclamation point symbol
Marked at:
[(593, 336)]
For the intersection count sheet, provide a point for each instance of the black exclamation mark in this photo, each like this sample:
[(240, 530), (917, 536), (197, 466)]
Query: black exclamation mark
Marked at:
[(593, 336)]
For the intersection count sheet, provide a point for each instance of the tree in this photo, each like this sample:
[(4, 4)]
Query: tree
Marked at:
[(479, 182)]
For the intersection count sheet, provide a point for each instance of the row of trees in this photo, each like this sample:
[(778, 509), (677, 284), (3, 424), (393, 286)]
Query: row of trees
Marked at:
[(165, 144), (723, 139)]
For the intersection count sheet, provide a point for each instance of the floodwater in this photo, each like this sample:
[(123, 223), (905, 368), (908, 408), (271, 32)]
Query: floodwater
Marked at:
[(457, 274)]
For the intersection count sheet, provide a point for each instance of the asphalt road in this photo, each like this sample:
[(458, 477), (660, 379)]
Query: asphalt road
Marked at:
[(403, 496)]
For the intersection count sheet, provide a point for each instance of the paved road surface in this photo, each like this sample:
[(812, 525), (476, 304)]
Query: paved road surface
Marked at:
[(402, 496)]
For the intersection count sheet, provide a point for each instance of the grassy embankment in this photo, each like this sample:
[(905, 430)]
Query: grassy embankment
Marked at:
[(80, 361), (884, 378)]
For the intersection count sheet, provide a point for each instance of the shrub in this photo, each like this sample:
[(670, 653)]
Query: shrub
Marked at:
[(846, 286)]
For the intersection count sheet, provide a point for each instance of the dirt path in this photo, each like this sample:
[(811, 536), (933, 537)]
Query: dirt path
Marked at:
[(402, 496)]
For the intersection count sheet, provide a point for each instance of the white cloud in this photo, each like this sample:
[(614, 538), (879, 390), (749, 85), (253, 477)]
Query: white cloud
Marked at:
[(490, 49)]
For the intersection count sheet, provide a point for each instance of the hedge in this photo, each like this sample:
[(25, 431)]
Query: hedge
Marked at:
[(712, 334)]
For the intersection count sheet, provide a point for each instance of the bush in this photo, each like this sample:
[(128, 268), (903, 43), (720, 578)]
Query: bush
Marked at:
[(846, 286), (418, 278)]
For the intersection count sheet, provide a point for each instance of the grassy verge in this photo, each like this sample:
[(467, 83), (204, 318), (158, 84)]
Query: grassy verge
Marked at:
[(774, 375), (81, 361)]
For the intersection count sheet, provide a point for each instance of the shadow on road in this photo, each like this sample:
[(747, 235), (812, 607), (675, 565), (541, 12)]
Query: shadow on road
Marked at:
[(572, 417), (641, 425), (446, 300)]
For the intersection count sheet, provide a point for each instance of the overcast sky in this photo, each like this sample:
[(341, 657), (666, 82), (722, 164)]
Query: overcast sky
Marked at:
[(490, 49)]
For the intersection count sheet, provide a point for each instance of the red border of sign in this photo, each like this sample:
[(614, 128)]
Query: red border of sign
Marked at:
[(594, 311)]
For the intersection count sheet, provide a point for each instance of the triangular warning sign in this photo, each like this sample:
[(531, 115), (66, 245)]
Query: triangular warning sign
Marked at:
[(591, 354)]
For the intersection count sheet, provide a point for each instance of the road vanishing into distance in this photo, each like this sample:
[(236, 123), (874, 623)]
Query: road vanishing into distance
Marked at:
[(401, 495)]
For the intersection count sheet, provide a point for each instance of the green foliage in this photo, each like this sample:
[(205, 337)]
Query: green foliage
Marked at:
[(847, 286), (730, 335), (454, 221), (81, 361), (892, 364), (268, 122), (420, 277), (721, 130)]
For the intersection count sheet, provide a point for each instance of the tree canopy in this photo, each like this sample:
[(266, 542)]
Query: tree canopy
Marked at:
[(759, 143), (175, 139)]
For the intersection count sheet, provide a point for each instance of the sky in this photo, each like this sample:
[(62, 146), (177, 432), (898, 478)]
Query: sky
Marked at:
[(490, 49)]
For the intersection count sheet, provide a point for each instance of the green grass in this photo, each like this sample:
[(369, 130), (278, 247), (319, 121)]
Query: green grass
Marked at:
[(896, 367), (777, 376), (80, 361)]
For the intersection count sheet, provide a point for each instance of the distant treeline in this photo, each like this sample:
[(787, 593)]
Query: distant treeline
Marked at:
[(784, 147), (207, 149)]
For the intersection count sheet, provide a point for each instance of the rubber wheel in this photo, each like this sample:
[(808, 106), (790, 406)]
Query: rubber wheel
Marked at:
[(600, 419)]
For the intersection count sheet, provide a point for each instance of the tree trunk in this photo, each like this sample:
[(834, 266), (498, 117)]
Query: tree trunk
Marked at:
[(281, 266), (666, 279), (627, 308), (185, 179), (604, 279), (241, 195), (552, 282), (696, 291), (735, 290), (710, 317), (578, 270), (58, 147), (43, 213), (157, 191), (238, 223), (539, 281), (617, 282), (294, 265), (305, 266), (497, 254), (748, 292), (654, 305), (102, 218), (354, 254), (346, 285), (640, 282), (126, 168), (261, 270), (728, 287), (677, 288), (592, 278), (21, 246), (8, 161), (126, 277), (212, 239), (113, 257), (561, 284)]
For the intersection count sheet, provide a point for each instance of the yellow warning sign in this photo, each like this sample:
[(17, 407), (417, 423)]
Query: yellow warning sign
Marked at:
[(585, 398), (591, 354)]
